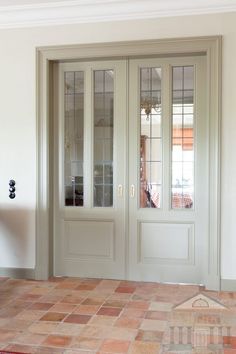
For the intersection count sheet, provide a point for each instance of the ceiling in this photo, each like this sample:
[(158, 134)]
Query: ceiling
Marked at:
[(31, 13)]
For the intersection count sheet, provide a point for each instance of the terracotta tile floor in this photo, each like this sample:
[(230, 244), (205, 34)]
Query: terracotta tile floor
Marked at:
[(93, 316)]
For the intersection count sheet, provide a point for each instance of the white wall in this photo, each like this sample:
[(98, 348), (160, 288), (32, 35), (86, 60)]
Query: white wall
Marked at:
[(18, 122)]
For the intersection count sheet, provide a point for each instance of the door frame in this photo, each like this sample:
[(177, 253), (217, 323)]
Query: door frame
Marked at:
[(46, 56)]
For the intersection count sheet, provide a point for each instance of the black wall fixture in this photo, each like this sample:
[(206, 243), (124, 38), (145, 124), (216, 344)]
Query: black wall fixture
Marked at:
[(12, 189)]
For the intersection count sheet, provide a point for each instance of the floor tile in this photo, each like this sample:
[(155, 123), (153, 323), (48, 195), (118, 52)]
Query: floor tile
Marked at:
[(231, 341), (108, 284), (49, 350), (9, 312), (73, 299), (82, 319), (30, 338), (143, 297), (17, 324), (115, 303), (165, 298), (153, 325), (20, 304), (142, 305), (128, 283), (39, 291), (86, 309), (109, 311), (58, 341), (144, 348), (79, 351), (63, 307), (20, 348), (102, 320), (52, 299), (160, 306), (87, 343), (4, 322), (70, 329), (123, 333), (67, 285), (93, 301), (115, 346), (53, 316), (96, 331), (128, 322), (125, 289), (133, 312), (100, 295), (6, 335), (30, 297), (43, 327), (94, 281), (3, 279), (30, 315), (86, 287), (121, 296), (150, 336), (157, 315), (101, 352), (2, 345), (43, 306)]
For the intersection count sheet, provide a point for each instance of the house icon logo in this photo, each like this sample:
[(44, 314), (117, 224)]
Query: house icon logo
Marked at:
[(200, 325), (200, 302)]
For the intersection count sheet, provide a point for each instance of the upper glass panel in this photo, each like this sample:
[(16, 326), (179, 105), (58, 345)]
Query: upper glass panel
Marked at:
[(182, 190), (74, 138), (150, 138), (103, 137)]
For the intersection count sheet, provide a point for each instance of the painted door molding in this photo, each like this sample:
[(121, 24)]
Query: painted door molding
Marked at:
[(211, 46)]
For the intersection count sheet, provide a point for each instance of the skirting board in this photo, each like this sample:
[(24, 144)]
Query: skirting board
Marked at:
[(19, 273), (228, 284)]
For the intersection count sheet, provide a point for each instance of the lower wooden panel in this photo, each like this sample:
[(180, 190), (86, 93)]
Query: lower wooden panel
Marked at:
[(166, 243), (90, 239)]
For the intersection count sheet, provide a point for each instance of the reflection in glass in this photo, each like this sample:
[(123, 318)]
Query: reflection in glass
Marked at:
[(183, 137), (103, 138), (150, 138), (74, 138)]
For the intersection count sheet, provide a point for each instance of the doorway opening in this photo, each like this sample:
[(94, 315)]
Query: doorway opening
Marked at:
[(149, 204)]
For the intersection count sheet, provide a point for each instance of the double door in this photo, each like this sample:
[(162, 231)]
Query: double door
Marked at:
[(130, 169)]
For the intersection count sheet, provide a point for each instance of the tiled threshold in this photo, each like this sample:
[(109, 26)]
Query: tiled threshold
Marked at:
[(94, 316)]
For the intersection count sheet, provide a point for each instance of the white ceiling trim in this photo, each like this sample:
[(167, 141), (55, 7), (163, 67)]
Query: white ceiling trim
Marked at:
[(88, 11)]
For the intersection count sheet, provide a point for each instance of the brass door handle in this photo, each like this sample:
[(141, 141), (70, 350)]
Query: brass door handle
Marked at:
[(120, 190), (132, 191)]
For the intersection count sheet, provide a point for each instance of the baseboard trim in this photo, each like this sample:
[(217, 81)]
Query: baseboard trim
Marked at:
[(19, 273), (228, 284)]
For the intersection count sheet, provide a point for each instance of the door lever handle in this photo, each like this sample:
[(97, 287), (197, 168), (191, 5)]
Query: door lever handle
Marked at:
[(132, 191), (120, 190)]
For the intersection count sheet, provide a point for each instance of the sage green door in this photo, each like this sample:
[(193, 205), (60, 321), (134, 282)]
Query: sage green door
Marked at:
[(90, 150), (131, 169), (168, 170)]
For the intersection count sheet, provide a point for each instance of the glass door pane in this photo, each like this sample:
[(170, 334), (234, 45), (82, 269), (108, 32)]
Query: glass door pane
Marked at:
[(182, 137), (103, 138), (150, 138), (74, 137)]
